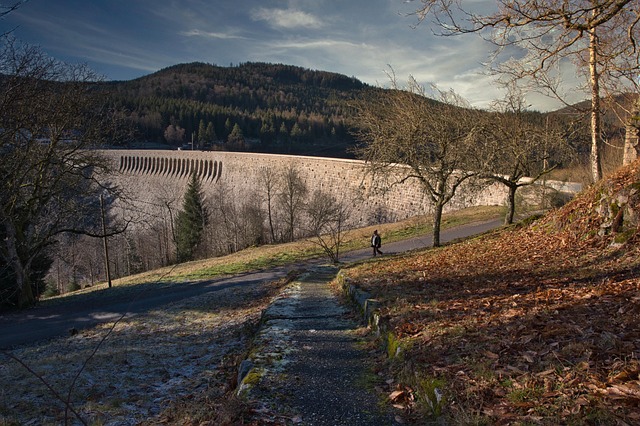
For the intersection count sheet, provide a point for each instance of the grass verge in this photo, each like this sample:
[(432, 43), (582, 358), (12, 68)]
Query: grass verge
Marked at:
[(269, 256)]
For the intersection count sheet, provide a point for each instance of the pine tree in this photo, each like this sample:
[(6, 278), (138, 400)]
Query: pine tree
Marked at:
[(236, 138), (191, 221), (202, 135), (211, 133)]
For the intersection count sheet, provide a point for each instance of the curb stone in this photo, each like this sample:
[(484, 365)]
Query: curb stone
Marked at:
[(273, 327), (367, 305)]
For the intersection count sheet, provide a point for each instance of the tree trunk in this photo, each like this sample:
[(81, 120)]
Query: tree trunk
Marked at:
[(27, 297), (511, 205), (270, 214), (437, 221), (105, 244), (596, 166), (22, 285)]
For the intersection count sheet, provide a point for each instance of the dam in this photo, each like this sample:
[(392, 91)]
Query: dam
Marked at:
[(156, 178)]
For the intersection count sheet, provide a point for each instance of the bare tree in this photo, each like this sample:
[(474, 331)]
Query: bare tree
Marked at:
[(223, 233), (174, 134), (632, 134), (50, 116), (7, 9), (251, 221), (435, 140), (600, 37), (518, 147), (328, 219), (291, 199), (268, 178)]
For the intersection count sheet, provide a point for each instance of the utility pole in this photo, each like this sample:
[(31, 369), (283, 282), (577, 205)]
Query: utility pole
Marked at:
[(104, 237)]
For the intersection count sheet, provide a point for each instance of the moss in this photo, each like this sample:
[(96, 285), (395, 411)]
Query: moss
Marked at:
[(253, 377), (529, 220), (368, 380), (623, 237), (614, 208), (429, 395), (393, 346), (525, 394)]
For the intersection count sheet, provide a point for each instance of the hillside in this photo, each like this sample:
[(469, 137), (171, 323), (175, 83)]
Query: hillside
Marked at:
[(278, 108), (536, 324)]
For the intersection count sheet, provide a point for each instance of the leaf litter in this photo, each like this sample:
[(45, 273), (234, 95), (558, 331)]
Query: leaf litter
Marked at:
[(532, 324)]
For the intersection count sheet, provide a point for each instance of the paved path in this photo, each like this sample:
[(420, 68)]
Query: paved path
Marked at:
[(306, 367), (424, 241), (81, 311)]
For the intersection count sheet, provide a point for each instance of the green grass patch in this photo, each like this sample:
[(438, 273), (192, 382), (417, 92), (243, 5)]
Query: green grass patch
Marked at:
[(264, 257)]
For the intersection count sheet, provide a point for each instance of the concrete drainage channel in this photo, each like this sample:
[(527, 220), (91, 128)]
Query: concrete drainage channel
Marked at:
[(305, 366)]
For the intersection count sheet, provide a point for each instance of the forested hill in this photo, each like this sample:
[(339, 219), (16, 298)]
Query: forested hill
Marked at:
[(255, 107)]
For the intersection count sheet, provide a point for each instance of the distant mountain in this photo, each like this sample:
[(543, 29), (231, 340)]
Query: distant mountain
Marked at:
[(257, 107)]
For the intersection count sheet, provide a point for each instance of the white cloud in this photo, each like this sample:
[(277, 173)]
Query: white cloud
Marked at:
[(316, 44), (286, 18), (208, 34)]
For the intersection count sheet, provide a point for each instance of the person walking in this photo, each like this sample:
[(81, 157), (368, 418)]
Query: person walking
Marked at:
[(376, 242)]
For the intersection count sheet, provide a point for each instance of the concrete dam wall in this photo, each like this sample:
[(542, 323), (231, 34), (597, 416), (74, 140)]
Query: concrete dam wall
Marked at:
[(153, 179)]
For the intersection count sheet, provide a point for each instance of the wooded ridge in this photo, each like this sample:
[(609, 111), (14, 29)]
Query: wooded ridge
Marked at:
[(277, 108)]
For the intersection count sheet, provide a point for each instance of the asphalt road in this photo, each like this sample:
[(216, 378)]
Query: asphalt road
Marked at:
[(74, 313)]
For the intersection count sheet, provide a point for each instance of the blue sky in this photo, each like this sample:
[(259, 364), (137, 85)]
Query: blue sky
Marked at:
[(125, 39)]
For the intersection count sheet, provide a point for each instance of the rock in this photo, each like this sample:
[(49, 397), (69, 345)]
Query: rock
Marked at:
[(245, 367)]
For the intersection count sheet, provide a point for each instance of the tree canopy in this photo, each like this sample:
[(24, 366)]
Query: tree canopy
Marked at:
[(264, 100), (540, 37), (51, 115), (435, 140)]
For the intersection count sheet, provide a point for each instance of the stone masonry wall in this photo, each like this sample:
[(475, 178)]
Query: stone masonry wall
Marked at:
[(154, 179)]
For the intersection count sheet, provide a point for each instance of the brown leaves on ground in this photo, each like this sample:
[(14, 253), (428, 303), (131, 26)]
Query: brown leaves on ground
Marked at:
[(537, 324)]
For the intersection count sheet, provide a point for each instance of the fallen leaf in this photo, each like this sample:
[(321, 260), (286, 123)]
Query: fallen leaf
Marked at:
[(393, 396), (491, 355)]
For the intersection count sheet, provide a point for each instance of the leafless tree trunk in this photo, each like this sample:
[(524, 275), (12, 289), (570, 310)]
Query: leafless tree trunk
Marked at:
[(596, 166), (50, 178), (291, 199), (327, 220), (269, 182), (517, 147), (632, 134)]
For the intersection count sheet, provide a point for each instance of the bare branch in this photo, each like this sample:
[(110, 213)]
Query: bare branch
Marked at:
[(599, 37)]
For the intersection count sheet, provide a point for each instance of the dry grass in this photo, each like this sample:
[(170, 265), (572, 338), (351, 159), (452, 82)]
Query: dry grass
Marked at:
[(257, 258), (150, 368)]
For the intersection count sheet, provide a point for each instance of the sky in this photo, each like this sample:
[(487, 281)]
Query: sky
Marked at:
[(365, 39)]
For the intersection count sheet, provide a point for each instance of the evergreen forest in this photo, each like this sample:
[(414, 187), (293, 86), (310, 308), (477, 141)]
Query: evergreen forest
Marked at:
[(257, 107)]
